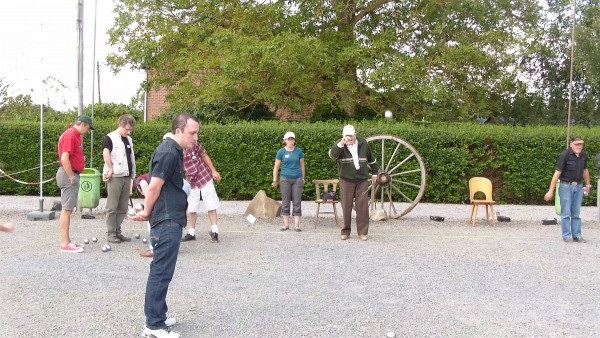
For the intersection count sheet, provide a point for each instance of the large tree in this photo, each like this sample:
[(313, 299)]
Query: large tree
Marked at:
[(417, 58)]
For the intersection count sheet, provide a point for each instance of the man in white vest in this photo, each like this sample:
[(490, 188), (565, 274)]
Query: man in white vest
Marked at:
[(118, 173)]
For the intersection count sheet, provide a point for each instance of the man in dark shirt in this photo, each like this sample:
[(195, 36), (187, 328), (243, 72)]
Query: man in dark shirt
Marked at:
[(165, 206), (571, 171)]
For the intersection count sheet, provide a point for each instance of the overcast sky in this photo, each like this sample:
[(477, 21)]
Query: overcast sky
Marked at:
[(38, 40)]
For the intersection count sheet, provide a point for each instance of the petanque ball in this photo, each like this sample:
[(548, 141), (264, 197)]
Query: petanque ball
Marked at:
[(138, 207)]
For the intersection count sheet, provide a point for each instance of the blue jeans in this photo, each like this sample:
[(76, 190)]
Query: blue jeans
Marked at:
[(571, 197), (291, 190), (165, 237)]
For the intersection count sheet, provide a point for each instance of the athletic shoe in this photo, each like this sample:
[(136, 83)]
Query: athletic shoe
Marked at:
[(214, 237), (159, 333), (188, 237), (71, 248), (567, 239), (170, 322), (579, 239)]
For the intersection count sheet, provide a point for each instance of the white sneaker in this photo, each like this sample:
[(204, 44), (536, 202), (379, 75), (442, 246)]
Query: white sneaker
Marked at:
[(170, 322), (159, 333)]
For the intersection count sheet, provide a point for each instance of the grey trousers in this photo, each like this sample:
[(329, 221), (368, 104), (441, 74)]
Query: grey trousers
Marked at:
[(116, 203), (291, 190)]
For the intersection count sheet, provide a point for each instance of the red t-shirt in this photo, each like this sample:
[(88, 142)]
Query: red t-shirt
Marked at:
[(71, 142)]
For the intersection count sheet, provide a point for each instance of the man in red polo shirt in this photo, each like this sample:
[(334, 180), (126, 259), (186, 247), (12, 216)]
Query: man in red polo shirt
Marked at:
[(72, 161)]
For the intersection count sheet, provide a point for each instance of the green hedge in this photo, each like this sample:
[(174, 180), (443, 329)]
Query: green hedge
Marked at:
[(519, 160)]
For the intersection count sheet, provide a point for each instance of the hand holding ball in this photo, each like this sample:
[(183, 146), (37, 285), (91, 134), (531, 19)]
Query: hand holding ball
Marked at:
[(138, 207)]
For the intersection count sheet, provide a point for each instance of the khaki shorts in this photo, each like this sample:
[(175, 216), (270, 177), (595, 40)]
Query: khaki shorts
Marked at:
[(209, 196), (68, 192)]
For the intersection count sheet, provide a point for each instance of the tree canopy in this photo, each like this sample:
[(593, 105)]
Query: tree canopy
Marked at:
[(442, 60)]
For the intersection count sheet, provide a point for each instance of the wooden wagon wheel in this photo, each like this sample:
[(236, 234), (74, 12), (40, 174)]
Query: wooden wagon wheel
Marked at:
[(401, 184)]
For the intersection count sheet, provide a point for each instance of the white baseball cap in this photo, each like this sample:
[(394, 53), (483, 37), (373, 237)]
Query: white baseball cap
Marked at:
[(348, 130), (289, 134)]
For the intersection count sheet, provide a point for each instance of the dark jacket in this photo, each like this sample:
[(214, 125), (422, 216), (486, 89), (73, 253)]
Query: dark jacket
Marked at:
[(346, 169)]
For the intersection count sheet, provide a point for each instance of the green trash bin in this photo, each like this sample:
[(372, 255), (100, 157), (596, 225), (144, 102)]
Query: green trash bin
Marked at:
[(89, 188)]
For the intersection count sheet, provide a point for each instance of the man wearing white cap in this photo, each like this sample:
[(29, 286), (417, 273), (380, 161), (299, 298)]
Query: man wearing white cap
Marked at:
[(355, 161)]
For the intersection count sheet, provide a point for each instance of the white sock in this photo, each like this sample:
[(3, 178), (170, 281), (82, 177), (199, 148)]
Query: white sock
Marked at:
[(192, 231), (215, 228)]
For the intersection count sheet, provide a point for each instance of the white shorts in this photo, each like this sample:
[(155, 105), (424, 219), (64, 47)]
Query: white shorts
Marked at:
[(209, 197)]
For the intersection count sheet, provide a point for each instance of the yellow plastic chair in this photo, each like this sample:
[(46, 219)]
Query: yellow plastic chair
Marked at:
[(327, 186), (483, 185)]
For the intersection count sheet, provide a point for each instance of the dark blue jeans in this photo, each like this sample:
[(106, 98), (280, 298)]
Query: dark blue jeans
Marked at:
[(165, 237)]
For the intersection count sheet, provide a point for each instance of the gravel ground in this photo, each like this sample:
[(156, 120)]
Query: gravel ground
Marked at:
[(414, 277)]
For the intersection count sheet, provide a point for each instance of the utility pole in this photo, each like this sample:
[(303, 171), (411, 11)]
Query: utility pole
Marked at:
[(80, 55), (99, 97)]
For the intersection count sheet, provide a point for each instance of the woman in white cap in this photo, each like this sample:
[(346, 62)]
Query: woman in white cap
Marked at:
[(291, 160)]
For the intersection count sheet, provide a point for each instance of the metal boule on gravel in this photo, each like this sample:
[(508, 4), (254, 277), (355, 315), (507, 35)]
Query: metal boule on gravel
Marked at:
[(137, 236), (104, 249), (391, 334), (94, 239), (86, 241), (144, 240)]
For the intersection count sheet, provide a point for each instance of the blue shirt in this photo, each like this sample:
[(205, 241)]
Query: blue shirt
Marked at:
[(167, 164), (290, 162)]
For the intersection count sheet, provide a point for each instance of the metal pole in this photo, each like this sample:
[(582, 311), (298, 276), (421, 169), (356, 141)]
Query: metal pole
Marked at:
[(571, 73), (80, 55), (41, 152), (93, 86)]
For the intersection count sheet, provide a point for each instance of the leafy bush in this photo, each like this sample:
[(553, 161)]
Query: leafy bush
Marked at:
[(519, 160)]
